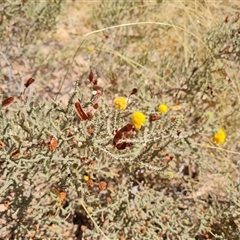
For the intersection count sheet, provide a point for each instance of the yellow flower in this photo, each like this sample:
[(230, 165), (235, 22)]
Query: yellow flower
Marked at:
[(170, 174), (120, 103), (56, 122), (163, 108), (219, 137), (90, 209), (90, 48), (138, 119), (85, 178)]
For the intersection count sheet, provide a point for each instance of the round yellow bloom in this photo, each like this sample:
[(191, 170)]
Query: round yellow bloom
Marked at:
[(138, 119), (90, 209), (120, 103), (90, 48), (162, 108), (219, 137), (170, 174), (85, 178)]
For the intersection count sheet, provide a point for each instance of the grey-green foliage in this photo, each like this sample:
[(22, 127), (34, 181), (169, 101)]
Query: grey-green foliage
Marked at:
[(31, 167)]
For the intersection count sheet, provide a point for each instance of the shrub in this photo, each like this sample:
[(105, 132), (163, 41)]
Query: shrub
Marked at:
[(113, 162)]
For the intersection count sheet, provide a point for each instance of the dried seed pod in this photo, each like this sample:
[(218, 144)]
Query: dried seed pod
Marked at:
[(123, 133), (83, 159), (89, 115), (169, 158), (80, 112), (96, 106), (94, 82), (7, 101), (29, 82), (15, 153), (154, 117), (70, 134), (6, 204), (52, 145), (90, 77), (134, 91)]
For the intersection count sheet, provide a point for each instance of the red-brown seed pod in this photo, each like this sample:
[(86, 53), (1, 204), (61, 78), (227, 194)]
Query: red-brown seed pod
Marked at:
[(134, 91), (28, 82), (52, 145), (96, 106), (6, 204), (1, 144), (106, 35), (83, 159), (70, 134), (7, 101), (90, 77), (124, 133), (95, 82), (80, 112), (169, 158), (154, 117), (117, 137), (15, 153)]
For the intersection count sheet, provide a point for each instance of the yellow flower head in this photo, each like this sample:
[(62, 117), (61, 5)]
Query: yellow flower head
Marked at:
[(120, 103), (219, 137), (90, 48), (138, 119), (163, 108), (85, 178)]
